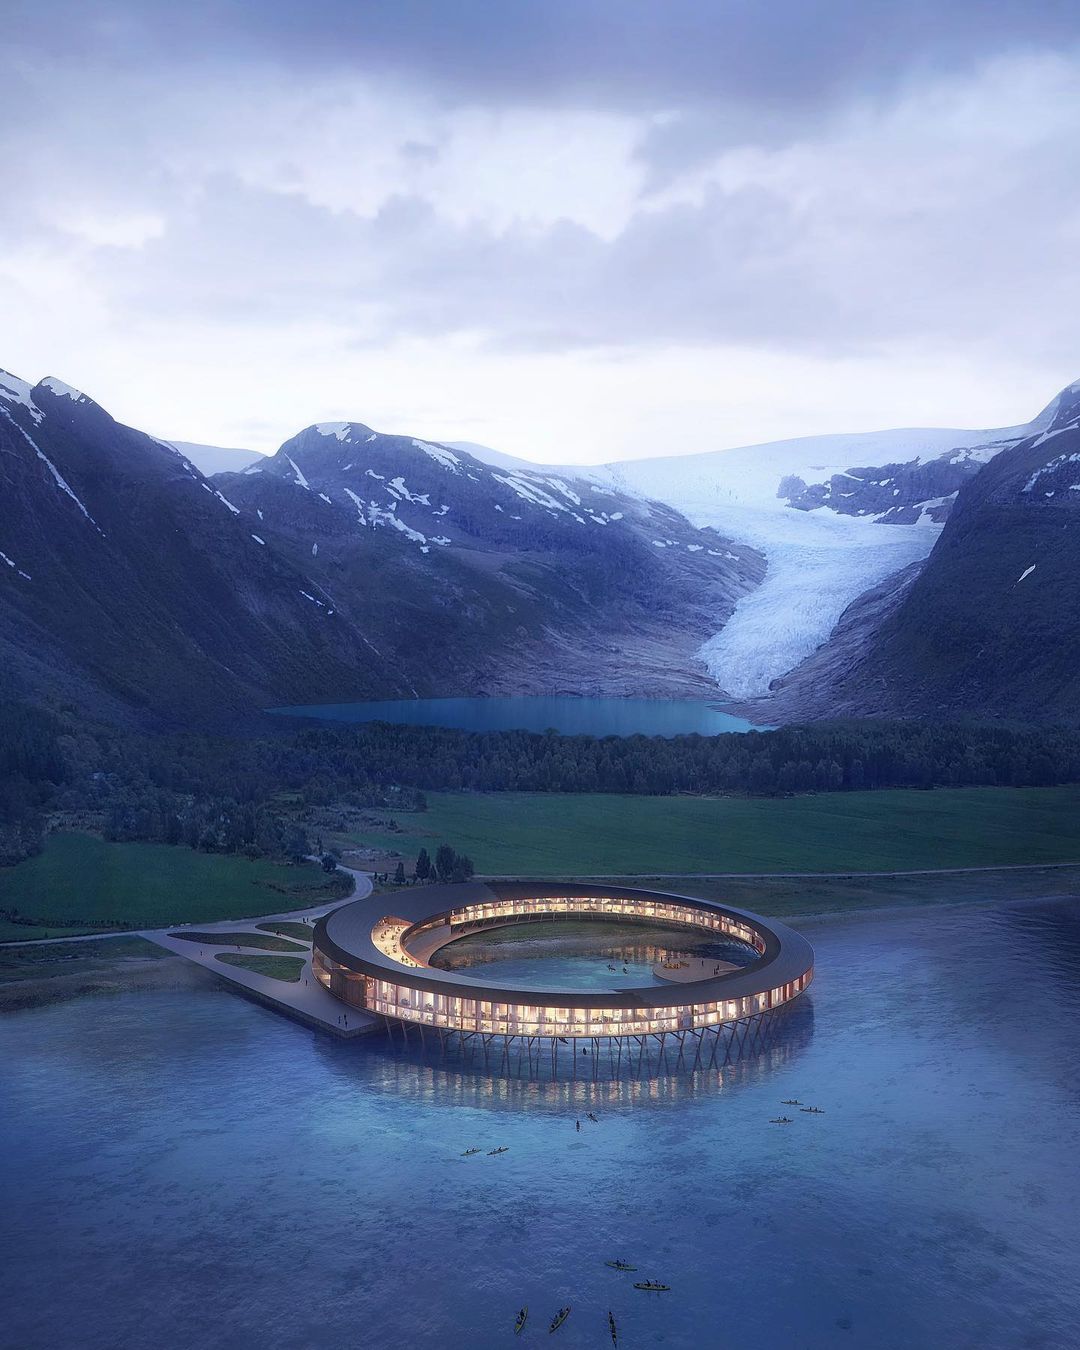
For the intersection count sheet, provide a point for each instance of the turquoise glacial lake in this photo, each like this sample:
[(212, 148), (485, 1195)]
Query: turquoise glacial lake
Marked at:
[(570, 716), (185, 1169)]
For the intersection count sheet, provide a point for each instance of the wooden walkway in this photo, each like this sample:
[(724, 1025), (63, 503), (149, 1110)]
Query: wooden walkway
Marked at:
[(305, 1000)]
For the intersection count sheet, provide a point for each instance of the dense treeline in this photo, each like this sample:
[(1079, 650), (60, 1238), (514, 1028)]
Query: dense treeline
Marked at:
[(32, 768), (827, 757), (248, 795)]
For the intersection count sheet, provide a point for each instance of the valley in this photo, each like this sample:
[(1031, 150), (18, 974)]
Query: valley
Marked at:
[(355, 564)]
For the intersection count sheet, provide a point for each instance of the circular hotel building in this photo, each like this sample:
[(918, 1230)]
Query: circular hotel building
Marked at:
[(376, 954)]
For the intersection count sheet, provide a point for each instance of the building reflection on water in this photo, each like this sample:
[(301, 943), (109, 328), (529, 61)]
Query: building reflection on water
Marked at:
[(417, 1071)]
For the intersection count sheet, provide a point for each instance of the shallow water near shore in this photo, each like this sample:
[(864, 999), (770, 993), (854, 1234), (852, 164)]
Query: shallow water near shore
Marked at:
[(183, 1168)]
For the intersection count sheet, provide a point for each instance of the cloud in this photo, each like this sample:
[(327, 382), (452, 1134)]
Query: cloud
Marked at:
[(939, 219), (631, 55), (499, 190)]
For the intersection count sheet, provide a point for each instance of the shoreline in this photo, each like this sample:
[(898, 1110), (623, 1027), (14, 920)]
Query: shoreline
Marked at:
[(98, 972), (104, 976)]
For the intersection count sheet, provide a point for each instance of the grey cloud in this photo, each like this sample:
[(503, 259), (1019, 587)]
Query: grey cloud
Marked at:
[(742, 267), (788, 58)]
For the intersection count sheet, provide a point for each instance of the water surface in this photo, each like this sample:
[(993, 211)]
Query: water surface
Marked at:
[(583, 955), (570, 716), (185, 1169)]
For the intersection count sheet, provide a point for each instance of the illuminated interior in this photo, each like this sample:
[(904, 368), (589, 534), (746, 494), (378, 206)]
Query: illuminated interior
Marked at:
[(401, 945)]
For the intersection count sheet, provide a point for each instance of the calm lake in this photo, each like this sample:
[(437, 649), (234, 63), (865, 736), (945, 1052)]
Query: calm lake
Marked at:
[(571, 716), (185, 1169)]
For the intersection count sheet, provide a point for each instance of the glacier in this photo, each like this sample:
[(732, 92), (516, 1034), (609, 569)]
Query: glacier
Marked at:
[(817, 562)]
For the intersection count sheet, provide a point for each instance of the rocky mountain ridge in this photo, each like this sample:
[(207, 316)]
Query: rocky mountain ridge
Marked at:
[(132, 584)]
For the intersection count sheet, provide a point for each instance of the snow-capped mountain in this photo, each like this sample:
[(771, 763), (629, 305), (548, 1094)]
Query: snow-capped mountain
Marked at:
[(818, 508), (349, 565), (834, 517), (209, 459), (992, 623), (130, 584), (353, 563), (552, 582)]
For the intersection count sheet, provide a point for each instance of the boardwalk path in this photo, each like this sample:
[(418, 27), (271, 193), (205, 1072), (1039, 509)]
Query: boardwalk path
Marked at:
[(305, 1000)]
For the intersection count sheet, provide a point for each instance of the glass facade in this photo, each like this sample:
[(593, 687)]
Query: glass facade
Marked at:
[(488, 1013)]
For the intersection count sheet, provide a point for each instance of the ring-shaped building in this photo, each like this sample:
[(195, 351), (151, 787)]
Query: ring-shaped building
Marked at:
[(375, 954)]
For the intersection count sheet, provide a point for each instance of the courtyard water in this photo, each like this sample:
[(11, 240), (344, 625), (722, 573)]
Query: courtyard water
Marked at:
[(186, 1169)]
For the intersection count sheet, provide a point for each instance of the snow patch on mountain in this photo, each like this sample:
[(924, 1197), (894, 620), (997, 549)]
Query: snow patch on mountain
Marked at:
[(14, 390), (58, 477), (398, 488), (62, 390), (211, 459), (529, 491), (440, 454), (300, 480), (341, 430), (25, 575)]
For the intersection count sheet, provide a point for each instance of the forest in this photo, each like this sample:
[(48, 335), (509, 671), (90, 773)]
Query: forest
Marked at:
[(245, 795)]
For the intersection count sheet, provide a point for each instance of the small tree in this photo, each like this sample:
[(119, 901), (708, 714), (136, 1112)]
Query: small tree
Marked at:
[(445, 857), (422, 870), (399, 875), (463, 868), (295, 844)]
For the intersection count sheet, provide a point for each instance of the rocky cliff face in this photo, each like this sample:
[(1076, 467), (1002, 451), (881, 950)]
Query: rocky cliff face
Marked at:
[(894, 494)]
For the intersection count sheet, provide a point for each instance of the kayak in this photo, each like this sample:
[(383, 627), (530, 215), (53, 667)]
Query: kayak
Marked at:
[(620, 1265), (652, 1286), (522, 1318), (559, 1318), (469, 1152), (614, 1329)]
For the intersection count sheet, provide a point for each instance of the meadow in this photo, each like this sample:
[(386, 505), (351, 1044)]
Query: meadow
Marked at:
[(89, 883), (566, 834)]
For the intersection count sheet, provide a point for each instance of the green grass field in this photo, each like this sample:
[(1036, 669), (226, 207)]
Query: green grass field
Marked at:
[(85, 880), (540, 834), (238, 938), (287, 968), (301, 932)]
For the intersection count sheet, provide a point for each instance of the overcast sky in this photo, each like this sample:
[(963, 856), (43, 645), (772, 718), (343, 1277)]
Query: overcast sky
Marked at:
[(575, 230)]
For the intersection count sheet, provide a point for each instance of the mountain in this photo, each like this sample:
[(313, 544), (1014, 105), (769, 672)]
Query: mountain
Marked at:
[(991, 625), (130, 585), (834, 516), (350, 565), (498, 580), (210, 459), (354, 563)]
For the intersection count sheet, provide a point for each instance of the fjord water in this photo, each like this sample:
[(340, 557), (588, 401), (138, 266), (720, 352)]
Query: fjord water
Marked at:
[(183, 1168), (570, 716)]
